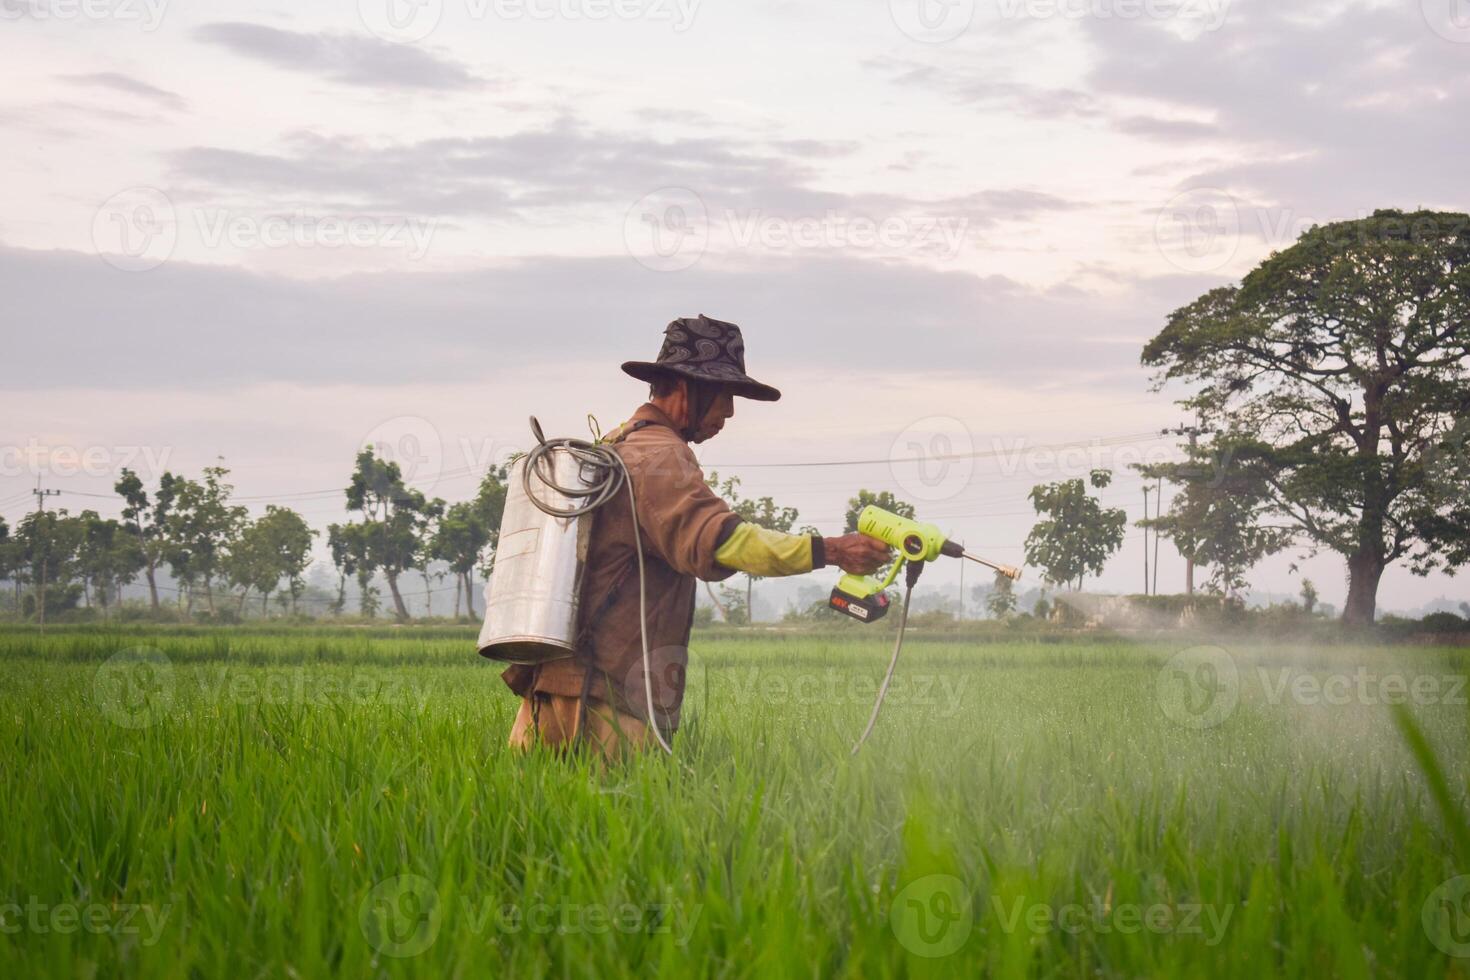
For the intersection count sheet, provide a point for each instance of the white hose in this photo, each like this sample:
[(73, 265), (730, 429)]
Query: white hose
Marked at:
[(903, 623)]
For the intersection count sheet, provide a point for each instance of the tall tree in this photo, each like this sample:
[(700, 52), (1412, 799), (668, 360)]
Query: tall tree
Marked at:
[(248, 564), (201, 524), (275, 547), (177, 552), (424, 557), (8, 561), (394, 516), (460, 542), (338, 546), (108, 556), (1347, 357), (1078, 534), (351, 552), (47, 544), (148, 520), (290, 540)]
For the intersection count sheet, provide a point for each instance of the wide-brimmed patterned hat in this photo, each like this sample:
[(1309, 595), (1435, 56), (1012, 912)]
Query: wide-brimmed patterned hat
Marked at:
[(705, 350)]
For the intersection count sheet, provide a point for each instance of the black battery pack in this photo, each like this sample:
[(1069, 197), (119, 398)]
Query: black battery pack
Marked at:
[(867, 610)]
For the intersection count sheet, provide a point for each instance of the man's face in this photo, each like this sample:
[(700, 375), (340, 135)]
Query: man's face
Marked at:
[(720, 410)]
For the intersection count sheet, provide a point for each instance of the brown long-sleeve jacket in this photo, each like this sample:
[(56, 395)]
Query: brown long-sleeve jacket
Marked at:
[(682, 523)]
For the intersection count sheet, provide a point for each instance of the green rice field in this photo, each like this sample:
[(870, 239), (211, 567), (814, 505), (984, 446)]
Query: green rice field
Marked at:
[(340, 802)]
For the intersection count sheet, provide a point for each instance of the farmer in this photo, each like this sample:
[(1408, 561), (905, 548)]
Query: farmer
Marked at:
[(687, 532)]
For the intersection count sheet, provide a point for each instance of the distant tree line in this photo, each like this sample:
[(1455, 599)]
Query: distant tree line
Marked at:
[(218, 557)]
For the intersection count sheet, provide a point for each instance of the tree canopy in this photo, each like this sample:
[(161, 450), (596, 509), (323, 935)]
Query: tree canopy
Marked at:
[(1343, 364), (394, 519), (1077, 534)]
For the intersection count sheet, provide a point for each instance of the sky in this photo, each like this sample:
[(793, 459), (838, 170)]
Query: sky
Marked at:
[(269, 234)]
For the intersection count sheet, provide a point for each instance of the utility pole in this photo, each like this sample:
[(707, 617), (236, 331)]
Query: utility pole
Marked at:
[(1145, 538), (962, 592), (1193, 432), (42, 536)]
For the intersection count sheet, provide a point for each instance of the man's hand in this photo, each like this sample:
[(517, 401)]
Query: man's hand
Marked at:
[(856, 553)]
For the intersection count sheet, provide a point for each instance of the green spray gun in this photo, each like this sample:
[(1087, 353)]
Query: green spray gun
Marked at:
[(863, 597)]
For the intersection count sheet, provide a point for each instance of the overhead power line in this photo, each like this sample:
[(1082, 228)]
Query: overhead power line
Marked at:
[(460, 471), (943, 457)]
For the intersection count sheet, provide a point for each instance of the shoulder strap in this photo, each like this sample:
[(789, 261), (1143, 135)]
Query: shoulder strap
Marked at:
[(628, 428)]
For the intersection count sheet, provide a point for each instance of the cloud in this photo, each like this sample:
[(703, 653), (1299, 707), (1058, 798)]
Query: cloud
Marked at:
[(1173, 130), (341, 58), (560, 165), (676, 115), (1339, 107), (45, 119), (973, 79), (569, 165), (1306, 113), (130, 86), (189, 326), (817, 148)]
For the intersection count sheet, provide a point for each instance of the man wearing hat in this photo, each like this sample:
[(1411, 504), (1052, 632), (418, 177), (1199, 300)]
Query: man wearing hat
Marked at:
[(687, 531)]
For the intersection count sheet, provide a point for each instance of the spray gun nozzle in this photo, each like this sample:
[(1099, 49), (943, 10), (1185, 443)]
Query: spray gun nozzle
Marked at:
[(952, 549), (1009, 571)]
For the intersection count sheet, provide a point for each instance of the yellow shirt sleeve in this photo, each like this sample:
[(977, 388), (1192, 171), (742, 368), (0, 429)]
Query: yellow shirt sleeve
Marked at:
[(767, 554)]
